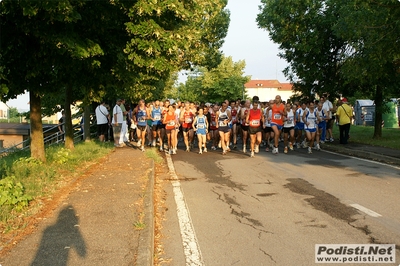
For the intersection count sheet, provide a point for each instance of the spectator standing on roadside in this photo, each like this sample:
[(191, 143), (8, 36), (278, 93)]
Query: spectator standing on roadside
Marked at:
[(61, 125), (327, 108), (124, 128), (344, 114), (117, 120), (102, 117)]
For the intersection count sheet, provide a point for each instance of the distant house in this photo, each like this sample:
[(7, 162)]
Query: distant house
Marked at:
[(3, 111), (267, 89)]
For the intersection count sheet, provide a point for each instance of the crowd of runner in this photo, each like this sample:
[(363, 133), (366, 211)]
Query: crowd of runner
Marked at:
[(164, 124)]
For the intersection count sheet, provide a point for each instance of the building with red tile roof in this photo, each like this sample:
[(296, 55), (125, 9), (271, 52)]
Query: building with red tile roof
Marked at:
[(267, 89)]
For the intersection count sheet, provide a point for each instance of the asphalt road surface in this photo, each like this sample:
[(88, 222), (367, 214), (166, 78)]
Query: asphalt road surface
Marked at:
[(273, 209)]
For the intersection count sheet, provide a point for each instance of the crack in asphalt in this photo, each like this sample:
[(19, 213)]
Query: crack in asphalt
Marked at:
[(268, 255), (241, 216)]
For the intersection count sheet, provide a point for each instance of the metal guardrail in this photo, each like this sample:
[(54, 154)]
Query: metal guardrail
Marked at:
[(52, 139)]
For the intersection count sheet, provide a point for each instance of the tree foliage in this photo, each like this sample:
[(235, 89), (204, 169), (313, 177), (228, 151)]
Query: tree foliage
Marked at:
[(226, 81), (338, 46), (64, 51)]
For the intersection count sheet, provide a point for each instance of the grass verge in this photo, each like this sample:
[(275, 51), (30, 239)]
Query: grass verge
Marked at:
[(363, 135), (153, 154), (24, 180)]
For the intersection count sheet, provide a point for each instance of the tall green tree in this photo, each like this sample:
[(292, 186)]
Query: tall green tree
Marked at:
[(167, 36), (28, 62), (225, 82), (303, 30), (338, 46), (371, 59), (90, 49)]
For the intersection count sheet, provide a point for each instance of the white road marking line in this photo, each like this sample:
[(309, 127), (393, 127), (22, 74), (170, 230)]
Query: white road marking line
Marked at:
[(190, 244), (365, 210), (362, 159)]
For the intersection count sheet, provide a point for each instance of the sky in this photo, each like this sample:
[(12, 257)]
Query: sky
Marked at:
[(244, 41)]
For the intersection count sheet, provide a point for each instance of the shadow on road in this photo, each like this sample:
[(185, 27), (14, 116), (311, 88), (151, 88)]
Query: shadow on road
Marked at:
[(59, 239)]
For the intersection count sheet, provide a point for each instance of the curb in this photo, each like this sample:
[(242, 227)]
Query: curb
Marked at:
[(146, 237), (364, 154)]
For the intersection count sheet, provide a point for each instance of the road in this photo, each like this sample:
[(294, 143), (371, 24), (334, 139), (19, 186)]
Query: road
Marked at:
[(273, 209)]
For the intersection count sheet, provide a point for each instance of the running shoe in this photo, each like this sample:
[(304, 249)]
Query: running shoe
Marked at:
[(252, 154), (153, 143), (139, 143), (219, 144), (205, 150), (331, 140), (318, 147), (290, 146), (322, 142), (267, 149), (285, 150), (298, 145), (142, 148), (187, 149), (224, 152), (173, 151), (170, 152), (309, 150), (213, 148), (149, 144), (200, 152), (161, 148), (234, 147), (228, 149), (275, 151), (244, 148), (257, 149)]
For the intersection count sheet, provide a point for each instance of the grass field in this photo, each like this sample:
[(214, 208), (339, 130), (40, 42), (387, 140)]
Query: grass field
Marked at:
[(362, 134)]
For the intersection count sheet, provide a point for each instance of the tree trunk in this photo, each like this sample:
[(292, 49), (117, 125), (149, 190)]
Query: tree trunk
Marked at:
[(37, 141), (69, 133), (86, 119), (378, 112)]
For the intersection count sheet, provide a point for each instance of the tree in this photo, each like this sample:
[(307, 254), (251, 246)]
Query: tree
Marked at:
[(167, 36), (303, 30), (86, 50), (338, 46), (226, 81), (371, 29)]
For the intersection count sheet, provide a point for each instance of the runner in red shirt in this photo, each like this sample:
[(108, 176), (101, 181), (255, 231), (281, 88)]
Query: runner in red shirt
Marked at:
[(186, 118), (255, 119)]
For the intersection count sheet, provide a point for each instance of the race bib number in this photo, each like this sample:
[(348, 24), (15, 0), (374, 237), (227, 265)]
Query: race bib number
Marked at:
[(277, 116), (157, 117), (171, 123), (188, 120), (141, 119), (200, 126), (222, 124), (213, 123), (233, 118), (289, 121), (255, 123)]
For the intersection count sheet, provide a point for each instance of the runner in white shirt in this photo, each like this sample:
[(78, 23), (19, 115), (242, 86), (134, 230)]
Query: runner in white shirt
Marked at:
[(288, 127)]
